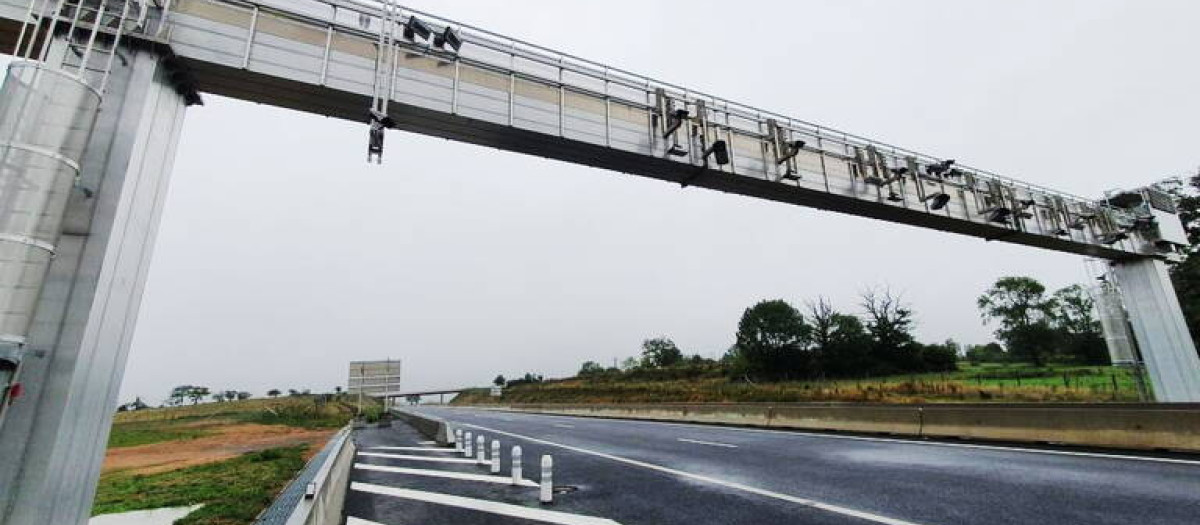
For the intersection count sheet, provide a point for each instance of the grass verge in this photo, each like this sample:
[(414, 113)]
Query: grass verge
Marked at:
[(232, 491), (147, 432), (986, 383)]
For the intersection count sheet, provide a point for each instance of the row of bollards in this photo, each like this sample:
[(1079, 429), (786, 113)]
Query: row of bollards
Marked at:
[(476, 448)]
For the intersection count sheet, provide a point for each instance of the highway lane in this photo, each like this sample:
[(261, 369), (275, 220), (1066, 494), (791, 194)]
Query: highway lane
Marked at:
[(849, 479), (603, 491)]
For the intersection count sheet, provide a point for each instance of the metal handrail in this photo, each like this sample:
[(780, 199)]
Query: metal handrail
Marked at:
[(630, 80)]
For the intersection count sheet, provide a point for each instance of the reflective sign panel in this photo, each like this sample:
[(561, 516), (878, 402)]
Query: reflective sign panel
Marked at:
[(374, 378)]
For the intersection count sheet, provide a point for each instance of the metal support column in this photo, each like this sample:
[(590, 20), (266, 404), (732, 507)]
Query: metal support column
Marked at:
[(53, 436), (1162, 334)]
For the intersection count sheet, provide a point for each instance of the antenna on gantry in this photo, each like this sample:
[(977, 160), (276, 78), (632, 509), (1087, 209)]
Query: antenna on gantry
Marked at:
[(385, 64)]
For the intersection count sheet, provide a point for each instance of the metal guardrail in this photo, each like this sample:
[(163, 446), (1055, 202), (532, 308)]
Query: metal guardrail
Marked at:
[(294, 505)]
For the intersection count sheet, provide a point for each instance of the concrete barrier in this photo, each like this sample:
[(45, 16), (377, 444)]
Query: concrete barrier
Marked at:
[(1146, 426), (432, 427)]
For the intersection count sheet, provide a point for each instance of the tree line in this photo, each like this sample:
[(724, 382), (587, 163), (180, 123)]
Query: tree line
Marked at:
[(776, 341), (1037, 327)]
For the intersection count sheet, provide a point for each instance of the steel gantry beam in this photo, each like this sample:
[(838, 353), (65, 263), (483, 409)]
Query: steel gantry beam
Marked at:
[(395, 67), (325, 57)]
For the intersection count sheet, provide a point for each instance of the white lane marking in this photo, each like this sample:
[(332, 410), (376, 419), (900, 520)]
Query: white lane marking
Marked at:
[(417, 458), (351, 520), (418, 449), (503, 509), (427, 442), (561, 425), (463, 476), (845, 511), (709, 443), (914, 441)]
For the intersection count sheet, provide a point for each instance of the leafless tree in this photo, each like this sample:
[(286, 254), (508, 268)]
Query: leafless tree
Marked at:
[(889, 319), (822, 316)]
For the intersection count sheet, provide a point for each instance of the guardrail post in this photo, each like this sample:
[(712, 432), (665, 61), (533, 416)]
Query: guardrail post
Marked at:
[(547, 489), (480, 451), (495, 456), (516, 465), (467, 445)]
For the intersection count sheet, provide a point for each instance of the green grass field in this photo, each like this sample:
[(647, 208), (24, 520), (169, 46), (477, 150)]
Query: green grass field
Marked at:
[(232, 491), (147, 432), (984, 383)]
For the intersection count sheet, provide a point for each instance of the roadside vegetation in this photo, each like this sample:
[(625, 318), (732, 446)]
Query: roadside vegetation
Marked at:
[(1049, 348), (230, 455), (233, 491), (988, 383)]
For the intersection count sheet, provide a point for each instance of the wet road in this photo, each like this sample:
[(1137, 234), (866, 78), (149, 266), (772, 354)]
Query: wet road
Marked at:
[(635, 472)]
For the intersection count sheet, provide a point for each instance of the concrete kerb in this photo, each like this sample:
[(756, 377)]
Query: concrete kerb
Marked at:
[(431, 427)]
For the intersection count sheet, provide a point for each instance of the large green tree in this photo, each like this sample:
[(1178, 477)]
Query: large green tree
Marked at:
[(660, 352), (773, 341), (1073, 311), (1024, 314), (841, 342)]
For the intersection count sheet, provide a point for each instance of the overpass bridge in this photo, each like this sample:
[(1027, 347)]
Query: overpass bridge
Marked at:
[(421, 393), (93, 108)]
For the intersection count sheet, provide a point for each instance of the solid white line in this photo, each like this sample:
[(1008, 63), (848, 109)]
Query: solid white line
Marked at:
[(560, 425), (418, 449), (463, 476), (351, 520), (503, 509), (913, 441), (432, 459), (709, 443), (845, 511)]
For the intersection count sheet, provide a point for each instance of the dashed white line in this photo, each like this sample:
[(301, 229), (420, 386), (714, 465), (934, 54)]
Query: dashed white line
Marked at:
[(427, 442), (418, 449), (351, 520), (462, 476), (829, 507), (709, 443), (563, 425), (432, 459), (503, 509)]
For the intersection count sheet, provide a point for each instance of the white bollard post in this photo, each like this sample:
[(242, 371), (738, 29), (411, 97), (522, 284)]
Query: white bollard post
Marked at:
[(467, 445), (516, 465), (547, 494), (481, 451), (495, 456), (458, 444)]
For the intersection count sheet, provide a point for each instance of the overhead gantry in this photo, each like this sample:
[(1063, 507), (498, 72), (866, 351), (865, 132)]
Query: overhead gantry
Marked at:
[(68, 325)]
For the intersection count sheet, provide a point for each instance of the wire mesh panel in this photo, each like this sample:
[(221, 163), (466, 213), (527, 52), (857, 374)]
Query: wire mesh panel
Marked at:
[(1115, 325), (46, 117)]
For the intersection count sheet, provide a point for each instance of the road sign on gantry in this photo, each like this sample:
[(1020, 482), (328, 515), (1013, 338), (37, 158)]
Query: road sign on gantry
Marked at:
[(374, 378)]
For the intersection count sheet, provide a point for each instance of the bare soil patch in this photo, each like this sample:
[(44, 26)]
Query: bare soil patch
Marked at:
[(226, 442)]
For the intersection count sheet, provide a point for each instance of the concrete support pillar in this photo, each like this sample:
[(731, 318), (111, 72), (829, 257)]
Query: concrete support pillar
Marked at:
[(53, 438), (1159, 327)]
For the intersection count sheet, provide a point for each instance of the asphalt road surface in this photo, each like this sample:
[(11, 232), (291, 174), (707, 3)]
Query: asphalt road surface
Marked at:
[(633, 472)]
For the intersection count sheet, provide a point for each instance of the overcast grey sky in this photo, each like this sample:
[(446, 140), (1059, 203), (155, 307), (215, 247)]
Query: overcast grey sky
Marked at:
[(283, 255)]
